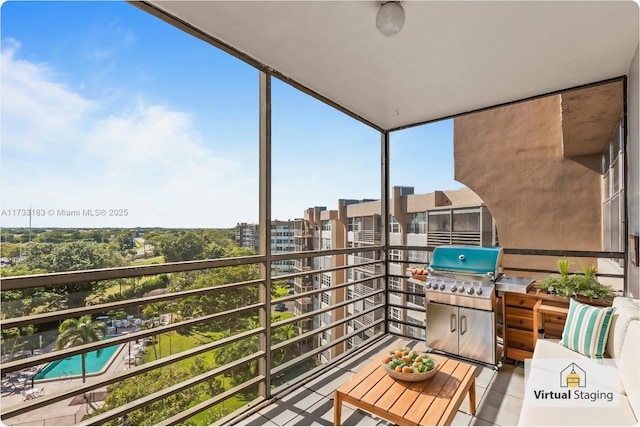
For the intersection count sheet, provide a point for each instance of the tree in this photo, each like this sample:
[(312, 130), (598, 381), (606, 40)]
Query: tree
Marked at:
[(185, 246), (237, 350), (282, 334), (126, 391), (13, 335), (157, 309), (75, 332), (11, 251), (223, 300), (73, 256)]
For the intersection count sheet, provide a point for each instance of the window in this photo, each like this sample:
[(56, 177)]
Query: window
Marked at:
[(416, 289), (394, 225), (417, 223), (326, 298), (394, 255), (394, 284), (466, 219), (613, 193), (326, 225), (326, 280), (421, 257), (440, 220), (349, 293), (326, 243), (395, 314)]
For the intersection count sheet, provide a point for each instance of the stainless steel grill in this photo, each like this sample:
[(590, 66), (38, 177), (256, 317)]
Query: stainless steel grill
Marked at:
[(461, 301)]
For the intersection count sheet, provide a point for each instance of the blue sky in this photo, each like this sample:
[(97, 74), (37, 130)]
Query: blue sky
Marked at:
[(104, 106)]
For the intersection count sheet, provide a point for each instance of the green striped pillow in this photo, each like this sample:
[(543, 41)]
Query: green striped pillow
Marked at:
[(587, 328)]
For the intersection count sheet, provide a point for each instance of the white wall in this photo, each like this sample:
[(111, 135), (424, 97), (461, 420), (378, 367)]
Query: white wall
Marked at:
[(633, 161)]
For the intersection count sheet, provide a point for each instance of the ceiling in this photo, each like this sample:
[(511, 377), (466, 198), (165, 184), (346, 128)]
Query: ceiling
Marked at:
[(451, 57), (589, 118)]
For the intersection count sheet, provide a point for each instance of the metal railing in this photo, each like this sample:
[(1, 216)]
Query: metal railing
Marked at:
[(280, 375)]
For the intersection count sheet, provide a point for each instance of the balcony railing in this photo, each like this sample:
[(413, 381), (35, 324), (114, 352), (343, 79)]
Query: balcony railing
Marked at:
[(367, 236), (272, 377), (276, 361)]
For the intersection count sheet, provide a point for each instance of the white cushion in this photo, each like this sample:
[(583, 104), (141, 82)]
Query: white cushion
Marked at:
[(587, 416), (627, 310), (629, 371), (550, 349)]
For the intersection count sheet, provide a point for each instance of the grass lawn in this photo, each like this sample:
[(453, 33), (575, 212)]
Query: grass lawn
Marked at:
[(172, 343), (148, 261)]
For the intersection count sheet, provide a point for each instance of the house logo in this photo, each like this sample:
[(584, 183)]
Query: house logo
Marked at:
[(573, 376)]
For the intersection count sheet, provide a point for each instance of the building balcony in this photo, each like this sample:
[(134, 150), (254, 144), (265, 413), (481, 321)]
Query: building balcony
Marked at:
[(367, 236)]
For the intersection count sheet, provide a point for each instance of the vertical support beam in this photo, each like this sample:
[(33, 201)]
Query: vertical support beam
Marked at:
[(384, 213), (264, 291), (625, 180)]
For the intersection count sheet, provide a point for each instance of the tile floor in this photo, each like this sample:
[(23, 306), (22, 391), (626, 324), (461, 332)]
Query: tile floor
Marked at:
[(498, 396)]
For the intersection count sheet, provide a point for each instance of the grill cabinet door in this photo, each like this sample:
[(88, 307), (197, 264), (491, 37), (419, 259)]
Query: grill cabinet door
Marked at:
[(477, 335), (442, 327)]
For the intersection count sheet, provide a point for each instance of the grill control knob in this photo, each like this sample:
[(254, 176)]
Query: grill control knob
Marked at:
[(453, 288), (428, 285), (461, 289), (470, 291), (442, 287), (479, 291)]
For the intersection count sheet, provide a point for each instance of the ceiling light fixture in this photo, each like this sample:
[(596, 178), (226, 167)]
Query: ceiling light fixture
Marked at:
[(390, 18)]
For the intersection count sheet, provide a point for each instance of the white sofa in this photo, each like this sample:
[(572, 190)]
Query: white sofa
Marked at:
[(623, 344)]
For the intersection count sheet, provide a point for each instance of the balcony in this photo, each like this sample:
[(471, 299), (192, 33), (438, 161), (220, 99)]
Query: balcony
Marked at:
[(290, 385), (366, 236), (243, 365)]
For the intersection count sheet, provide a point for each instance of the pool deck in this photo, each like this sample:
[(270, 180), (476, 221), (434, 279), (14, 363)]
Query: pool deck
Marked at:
[(64, 412)]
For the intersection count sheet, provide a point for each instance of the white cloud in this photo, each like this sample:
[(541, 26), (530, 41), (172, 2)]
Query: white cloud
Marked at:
[(63, 151), (37, 112)]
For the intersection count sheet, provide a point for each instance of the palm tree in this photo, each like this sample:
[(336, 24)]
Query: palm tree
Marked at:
[(74, 332), (237, 350), (284, 333)]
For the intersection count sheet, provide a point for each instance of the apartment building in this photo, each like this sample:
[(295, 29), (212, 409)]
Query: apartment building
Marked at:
[(282, 241), (248, 236), (552, 172), (442, 217)]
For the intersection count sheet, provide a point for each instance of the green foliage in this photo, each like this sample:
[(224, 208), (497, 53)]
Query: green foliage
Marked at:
[(73, 256), (75, 332), (570, 285), (184, 246), (145, 384), (11, 250), (137, 291), (13, 338), (221, 300)]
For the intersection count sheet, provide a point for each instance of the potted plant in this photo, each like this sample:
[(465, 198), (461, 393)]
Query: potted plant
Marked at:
[(583, 284)]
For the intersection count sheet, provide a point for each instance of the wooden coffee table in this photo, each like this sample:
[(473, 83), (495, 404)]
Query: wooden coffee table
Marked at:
[(431, 402)]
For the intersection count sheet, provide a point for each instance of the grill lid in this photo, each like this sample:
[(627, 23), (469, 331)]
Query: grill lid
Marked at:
[(467, 259)]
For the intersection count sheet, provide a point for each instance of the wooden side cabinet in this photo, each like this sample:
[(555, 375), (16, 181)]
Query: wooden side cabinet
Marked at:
[(518, 329), (550, 317), (524, 315)]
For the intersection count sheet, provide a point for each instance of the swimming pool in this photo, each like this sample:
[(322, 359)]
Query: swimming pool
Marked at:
[(72, 366)]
